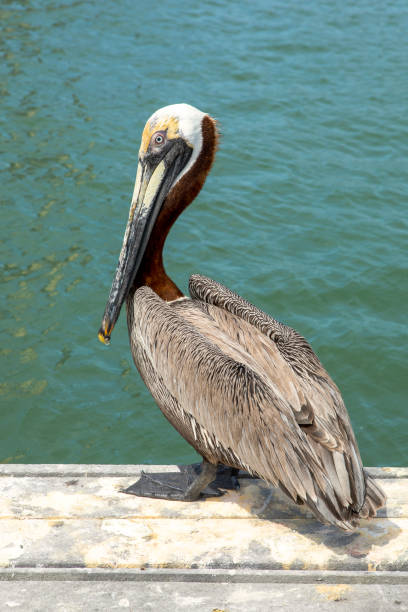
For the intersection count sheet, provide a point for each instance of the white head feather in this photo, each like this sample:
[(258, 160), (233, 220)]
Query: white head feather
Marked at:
[(188, 122)]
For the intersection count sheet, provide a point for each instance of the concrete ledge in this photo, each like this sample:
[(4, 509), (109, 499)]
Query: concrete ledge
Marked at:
[(201, 597), (76, 574), (67, 524), (85, 469)]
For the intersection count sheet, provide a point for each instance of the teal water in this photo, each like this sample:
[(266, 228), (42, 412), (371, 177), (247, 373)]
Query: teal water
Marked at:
[(304, 212)]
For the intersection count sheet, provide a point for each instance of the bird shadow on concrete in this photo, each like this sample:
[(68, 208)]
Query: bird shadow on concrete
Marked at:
[(351, 549), (374, 544)]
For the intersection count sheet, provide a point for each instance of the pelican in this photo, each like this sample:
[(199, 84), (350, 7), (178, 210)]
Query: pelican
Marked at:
[(245, 390)]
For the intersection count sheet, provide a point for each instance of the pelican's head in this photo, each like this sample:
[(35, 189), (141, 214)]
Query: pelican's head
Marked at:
[(175, 124), (177, 141)]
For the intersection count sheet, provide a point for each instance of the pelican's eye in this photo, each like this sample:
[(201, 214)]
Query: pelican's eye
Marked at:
[(158, 139)]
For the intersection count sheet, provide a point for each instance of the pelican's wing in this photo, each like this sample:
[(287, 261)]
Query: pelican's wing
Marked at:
[(210, 390), (315, 401)]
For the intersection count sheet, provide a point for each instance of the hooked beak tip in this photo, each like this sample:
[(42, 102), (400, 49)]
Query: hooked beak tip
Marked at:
[(104, 336)]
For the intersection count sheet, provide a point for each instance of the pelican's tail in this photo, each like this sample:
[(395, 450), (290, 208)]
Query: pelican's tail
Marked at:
[(348, 519), (375, 498)]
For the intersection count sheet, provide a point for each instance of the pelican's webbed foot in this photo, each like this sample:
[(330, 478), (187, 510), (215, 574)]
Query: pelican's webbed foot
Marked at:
[(227, 478), (189, 484)]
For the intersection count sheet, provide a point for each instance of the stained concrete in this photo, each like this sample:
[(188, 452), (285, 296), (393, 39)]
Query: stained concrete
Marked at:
[(201, 597), (69, 535)]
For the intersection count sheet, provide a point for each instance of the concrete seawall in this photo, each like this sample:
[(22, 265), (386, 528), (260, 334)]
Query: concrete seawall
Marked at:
[(65, 528)]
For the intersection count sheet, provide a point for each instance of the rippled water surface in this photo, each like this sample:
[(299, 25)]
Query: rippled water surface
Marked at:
[(305, 211)]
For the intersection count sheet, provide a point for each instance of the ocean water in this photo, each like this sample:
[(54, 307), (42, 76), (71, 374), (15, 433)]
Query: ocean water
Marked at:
[(304, 213)]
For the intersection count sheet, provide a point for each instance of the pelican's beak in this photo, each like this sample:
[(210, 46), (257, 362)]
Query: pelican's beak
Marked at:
[(154, 179)]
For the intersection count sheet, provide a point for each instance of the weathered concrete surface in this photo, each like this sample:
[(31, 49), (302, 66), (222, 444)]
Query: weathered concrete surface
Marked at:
[(202, 597), (76, 516), (65, 528)]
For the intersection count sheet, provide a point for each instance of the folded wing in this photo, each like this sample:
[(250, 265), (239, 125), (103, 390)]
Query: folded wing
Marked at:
[(249, 392)]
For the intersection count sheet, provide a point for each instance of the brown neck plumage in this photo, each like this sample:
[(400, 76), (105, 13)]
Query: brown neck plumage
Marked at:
[(151, 271)]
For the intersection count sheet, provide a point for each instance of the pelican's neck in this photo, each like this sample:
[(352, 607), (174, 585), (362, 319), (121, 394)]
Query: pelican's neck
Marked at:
[(151, 271)]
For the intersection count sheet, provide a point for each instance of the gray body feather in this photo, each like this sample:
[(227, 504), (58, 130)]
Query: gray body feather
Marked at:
[(247, 391)]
